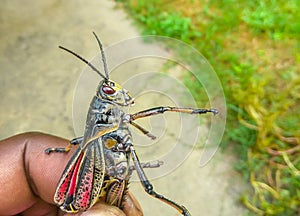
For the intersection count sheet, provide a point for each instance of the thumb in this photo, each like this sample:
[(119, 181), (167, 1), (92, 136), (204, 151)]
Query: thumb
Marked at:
[(99, 209)]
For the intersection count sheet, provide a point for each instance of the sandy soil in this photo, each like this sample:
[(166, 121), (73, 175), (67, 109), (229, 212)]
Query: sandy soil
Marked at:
[(38, 83)]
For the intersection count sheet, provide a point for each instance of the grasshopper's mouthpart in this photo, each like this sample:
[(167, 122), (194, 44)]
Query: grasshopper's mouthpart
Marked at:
[(131, 102)]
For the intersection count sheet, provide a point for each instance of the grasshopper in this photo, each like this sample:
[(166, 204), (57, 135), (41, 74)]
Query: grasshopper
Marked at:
[(100, 166)]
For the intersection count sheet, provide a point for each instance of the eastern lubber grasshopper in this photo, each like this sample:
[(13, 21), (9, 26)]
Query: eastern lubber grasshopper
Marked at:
[(100, 165)]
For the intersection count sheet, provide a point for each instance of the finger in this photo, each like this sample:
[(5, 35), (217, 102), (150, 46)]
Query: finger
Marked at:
[(131, 206), (45, 169), (103, 209), (100, 209), (30, 177), (27, 173)]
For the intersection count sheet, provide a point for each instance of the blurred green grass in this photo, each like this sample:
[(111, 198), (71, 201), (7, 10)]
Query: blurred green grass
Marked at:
[(254, 48)]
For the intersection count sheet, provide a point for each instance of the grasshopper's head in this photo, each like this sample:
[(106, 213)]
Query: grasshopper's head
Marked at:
[(112, 91), (108, 89)]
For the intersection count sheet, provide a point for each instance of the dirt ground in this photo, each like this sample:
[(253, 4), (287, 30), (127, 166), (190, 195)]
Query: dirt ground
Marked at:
[(39, 81)]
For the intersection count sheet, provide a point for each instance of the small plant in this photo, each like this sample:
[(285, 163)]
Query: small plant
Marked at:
[(277, 18), (169, 24)]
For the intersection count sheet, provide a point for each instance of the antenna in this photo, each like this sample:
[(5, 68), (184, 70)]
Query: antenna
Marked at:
[(103, 55), (84, 60)]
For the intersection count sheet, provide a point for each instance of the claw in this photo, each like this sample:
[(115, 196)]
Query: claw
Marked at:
[(49, 150), (214, 111)]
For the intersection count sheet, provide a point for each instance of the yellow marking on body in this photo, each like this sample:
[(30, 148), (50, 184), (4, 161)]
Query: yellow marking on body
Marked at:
[(103, 132), (72, 209), (117, 86), (109, 143)]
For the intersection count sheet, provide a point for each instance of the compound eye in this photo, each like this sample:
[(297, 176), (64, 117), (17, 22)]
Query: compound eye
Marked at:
[(108, 90)]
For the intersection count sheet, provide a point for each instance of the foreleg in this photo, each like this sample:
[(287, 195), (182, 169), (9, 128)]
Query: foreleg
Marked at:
[(161, 110)]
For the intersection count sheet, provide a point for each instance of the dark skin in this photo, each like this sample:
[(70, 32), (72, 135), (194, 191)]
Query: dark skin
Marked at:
[(28, 178)]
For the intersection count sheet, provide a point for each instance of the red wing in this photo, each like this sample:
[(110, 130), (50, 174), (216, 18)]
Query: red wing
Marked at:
[(67, 176), (81, 181)]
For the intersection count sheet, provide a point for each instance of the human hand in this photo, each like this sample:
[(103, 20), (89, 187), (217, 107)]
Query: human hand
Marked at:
[(28, 178)]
